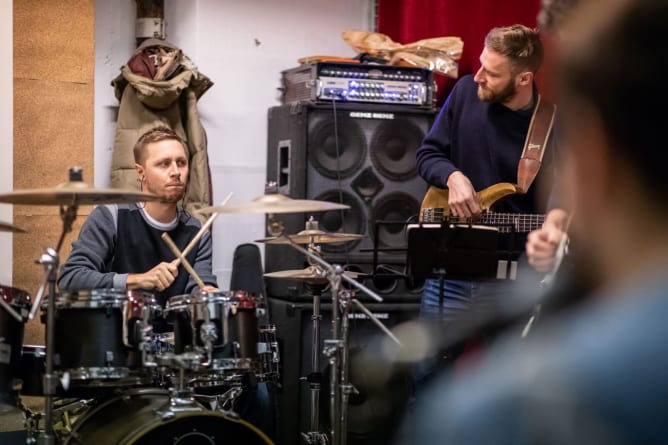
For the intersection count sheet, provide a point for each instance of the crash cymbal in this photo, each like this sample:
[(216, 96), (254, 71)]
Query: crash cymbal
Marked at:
[(75, 193), (311, 236), (9, 227), (308, 275), (276, 203)]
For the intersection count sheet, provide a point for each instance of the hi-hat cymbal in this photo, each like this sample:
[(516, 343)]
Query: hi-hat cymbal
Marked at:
[(311, 236), (276, 203), (308, 275), (75, 193), (9, 227)]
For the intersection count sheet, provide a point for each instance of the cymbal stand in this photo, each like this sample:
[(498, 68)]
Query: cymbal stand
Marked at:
[(50, 260), (336, 348), (314, 379)]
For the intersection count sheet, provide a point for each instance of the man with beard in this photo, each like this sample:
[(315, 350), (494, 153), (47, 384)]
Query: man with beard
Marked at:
[(120, 246), (595, 374), (476, 142)]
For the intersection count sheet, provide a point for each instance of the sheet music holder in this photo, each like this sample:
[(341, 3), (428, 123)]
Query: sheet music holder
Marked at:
[(464, 251)]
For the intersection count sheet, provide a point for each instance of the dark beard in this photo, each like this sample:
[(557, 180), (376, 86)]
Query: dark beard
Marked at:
[(499, 97)]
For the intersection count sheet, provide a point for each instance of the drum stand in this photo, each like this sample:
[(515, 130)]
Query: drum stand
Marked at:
[(314, 379), (50, 261), (336, 349)]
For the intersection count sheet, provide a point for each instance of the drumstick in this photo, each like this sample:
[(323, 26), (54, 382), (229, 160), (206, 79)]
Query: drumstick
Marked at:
[(202, 230), (167, 239)]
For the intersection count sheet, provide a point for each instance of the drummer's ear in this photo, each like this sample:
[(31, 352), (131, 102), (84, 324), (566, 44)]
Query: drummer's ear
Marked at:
[(140, 172)]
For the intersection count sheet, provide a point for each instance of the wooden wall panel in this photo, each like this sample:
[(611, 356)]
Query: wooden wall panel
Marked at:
[(54, 61)]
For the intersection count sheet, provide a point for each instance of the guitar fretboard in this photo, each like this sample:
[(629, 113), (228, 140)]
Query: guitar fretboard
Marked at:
[(505, 222)]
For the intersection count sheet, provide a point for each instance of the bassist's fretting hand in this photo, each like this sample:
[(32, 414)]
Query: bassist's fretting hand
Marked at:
[(462, 198)]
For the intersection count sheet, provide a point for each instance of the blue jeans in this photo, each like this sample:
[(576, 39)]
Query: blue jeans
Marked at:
[(469, 308)]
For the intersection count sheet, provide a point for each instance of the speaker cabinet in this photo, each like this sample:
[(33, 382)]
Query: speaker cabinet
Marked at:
[(355, 154), (384, 388)]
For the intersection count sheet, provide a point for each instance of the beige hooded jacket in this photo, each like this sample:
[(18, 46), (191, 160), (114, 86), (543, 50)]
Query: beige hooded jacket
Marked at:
[(146, 103)]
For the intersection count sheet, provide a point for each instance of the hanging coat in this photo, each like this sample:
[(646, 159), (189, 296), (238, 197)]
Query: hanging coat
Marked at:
[(146, 103)]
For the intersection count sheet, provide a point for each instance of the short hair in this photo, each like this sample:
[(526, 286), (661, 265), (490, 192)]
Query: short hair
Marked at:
[(619, 70), (519, 43), (155, 134), (554, 14)]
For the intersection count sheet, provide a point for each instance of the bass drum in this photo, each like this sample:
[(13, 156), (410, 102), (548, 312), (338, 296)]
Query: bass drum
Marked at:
[(132, 418)]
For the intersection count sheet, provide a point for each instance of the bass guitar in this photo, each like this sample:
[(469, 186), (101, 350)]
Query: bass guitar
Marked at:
[(435, 209)]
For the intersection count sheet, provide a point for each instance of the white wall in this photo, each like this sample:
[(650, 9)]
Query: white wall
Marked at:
[(7, 132), (242, 46)]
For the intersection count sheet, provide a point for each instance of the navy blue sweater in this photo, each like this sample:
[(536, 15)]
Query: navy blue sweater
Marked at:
[(484, 141)]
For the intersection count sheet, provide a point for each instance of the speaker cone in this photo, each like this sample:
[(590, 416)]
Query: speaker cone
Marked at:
[(350, 220), (394, 210), (337, 148), (393, 148)]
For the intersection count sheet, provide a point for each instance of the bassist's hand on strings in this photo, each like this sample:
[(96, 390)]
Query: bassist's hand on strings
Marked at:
[(542, 244), (462, 198)]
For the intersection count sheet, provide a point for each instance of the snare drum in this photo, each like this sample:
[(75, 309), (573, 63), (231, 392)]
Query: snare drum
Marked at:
[(97, 335), (11, 339), (230, 321)]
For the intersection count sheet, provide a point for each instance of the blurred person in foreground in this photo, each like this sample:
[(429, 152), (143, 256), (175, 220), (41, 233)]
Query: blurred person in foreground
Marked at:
[(597, 374)]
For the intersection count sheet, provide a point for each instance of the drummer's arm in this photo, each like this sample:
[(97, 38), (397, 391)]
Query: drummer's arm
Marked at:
[(85, 266)]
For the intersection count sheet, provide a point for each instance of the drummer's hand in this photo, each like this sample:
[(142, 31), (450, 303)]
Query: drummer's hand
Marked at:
[(158, 278), (208, 288)]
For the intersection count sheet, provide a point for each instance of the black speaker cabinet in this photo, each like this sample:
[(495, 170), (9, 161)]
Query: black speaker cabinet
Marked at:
[(356, 154), (383, 387)]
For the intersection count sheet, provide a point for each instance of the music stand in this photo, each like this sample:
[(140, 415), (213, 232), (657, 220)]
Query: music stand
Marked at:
[(456, 250), (463, 251)]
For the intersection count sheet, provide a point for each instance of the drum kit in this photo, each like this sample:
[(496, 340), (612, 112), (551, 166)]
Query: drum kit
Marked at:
[(110, 370)]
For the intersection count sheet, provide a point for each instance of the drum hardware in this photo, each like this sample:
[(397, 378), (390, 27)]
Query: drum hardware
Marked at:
[(336, 348), (68, 196), (10, 310), (181, 400), (222, 402)]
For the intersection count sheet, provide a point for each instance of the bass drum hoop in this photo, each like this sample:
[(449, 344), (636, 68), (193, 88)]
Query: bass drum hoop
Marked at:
[(137, 433)]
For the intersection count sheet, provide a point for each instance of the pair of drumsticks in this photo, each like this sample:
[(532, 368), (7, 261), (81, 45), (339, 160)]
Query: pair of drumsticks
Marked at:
[(181, 256)]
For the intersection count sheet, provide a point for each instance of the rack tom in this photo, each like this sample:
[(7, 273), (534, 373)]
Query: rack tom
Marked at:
[(98, 334)]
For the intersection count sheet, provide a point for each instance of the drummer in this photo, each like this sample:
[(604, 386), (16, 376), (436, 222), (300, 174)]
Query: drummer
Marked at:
[(120, 245)]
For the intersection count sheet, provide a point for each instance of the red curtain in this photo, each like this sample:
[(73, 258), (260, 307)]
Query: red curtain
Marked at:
[(406, 21)]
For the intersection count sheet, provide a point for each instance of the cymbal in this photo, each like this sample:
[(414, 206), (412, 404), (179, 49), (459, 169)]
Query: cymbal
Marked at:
[(308, 275), (9, 227), (276, 203), (311, 236), (75, 192)]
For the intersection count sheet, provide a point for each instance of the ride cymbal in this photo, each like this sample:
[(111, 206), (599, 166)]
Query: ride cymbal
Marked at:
[(311, 236), (75, 193), (9, 227), (276, 203), (308, 275)]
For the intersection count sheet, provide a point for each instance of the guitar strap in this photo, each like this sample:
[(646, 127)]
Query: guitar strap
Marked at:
[(535, 144)]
